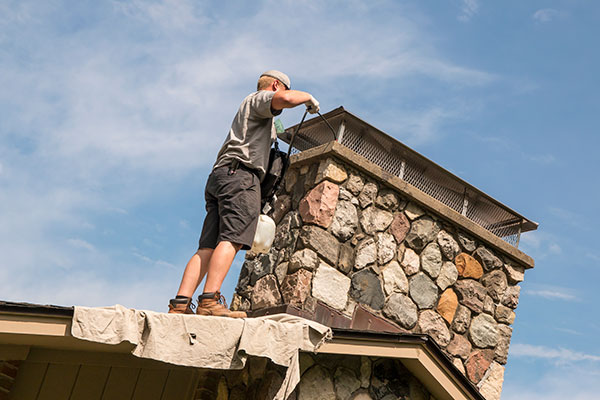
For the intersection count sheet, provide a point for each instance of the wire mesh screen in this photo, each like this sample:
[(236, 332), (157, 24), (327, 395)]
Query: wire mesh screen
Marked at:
[(399, 160)]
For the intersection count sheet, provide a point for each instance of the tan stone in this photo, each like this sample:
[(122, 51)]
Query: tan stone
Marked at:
[(318, 206), (328, 169), (291, 177), (491, 384), (468, 267), (459, 347), (447, 305)]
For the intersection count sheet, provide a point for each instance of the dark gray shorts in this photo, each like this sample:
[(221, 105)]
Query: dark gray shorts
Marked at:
[(232, 208)]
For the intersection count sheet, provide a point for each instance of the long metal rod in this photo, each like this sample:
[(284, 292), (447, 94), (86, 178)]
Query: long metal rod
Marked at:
[(330, 127), (294, 134)]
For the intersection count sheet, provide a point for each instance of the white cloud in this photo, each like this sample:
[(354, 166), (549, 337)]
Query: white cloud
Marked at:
[(81, 244), (545, 15), (552, 294), (559, 354), (469, 9)]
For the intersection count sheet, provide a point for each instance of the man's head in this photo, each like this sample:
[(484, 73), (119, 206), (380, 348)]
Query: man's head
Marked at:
[(273, 80)]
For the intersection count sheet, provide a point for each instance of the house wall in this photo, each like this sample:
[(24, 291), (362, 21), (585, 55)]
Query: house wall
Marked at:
[(345, 236)]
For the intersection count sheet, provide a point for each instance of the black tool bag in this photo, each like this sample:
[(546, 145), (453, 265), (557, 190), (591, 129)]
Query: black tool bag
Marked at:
[(278, 164)]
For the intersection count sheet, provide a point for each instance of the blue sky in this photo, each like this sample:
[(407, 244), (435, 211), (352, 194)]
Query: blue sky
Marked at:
[(111, 113)]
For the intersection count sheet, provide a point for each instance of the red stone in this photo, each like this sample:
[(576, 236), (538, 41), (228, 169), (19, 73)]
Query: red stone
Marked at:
[(479, 361), (400, 227), (318, 206)]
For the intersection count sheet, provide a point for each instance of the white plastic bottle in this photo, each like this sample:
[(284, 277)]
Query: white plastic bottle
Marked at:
[(264, 236)]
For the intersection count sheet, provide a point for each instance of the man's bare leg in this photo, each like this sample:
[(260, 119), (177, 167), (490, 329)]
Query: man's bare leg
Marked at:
[(194, 272)]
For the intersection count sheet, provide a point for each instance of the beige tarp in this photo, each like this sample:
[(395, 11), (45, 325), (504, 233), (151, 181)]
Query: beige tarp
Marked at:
[(204, 342)]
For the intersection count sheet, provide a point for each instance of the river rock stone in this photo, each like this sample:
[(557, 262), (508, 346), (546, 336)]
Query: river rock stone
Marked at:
[(501, 350), (491, 384), (355, 184), (459, 347), (394, 279), (411, 262), (346, 260), (321, 241), (471, 294), (514, 273), (401, 309), (328, 169), (462, 319), (375, 220), (282, 206), (447, 305), (466, 242), (296, 287), (448, 245), (316, 384), (448, 275), (345, 194), (281, 271), (386, 248), (387, 200), (484, 331), (496, 284), (399, 227), (367, 194), (505, 315), (366, 289), (413, 211), (266, 293), (511, 296), (431, 260), (488, 260), (319, 205), (432, 324), (345, 220), (488, 305), (345, 383), (468, 267), (478, 363), (422, 231), (331, 286), (423, 291), (366, 253), (305, 258), (365, 371)]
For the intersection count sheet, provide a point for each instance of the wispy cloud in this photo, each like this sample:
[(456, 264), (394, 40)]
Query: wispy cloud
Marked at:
[(469, 9), (555, 354), (545, 15), (552, 294)]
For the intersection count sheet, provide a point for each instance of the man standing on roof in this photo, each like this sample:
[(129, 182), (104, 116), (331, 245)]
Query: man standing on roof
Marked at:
[(233, 193)]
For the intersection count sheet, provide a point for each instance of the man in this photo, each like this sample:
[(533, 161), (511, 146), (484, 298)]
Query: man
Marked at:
[(233, 193)]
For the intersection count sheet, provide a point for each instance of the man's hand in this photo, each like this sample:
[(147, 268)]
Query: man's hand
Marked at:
[(312, 105)]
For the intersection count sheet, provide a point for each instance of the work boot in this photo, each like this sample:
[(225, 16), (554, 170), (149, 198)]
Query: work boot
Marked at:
[(181, 305), (214, 304)]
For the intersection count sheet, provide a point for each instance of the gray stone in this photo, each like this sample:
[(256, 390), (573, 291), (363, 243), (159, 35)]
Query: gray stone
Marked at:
[(411, 262), (321, 241), (261, 266), (514, 273), (282, 206), (316, 384), (413, 211), (462, 319), (401, 309), (281, 271), (491, 384), (365, 371), (484, 331), (511, 297), (422, 231), (306, 361), (285, 232), (345, 383), (291, 177), (366, 289), (466, 242), (448, 275), (387, 200), (394, 279), (488, 260), (459, 347), (266, 293), (367, 194), (240, 303), (505, 315), (305, 258), (355, 184), (501, 350), (331, 286), (488, 305), (431, 260), (366, 253), (448, 245), (345, 220), (432, 324), (375, 220), (386, 248), (346, 260), (423, 291), (345, 195), (471, 294), (362, 394)]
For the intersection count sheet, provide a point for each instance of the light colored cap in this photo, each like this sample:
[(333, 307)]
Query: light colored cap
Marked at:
[(280, 76)]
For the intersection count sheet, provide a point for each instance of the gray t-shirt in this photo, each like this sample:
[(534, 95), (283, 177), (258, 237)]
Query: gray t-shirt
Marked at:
[(252, 133)]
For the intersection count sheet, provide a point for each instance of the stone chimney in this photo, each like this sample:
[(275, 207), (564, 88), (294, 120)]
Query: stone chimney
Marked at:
[(358, 247)]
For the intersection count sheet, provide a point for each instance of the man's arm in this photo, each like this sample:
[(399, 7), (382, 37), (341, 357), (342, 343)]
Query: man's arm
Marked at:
[(292, 98)]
